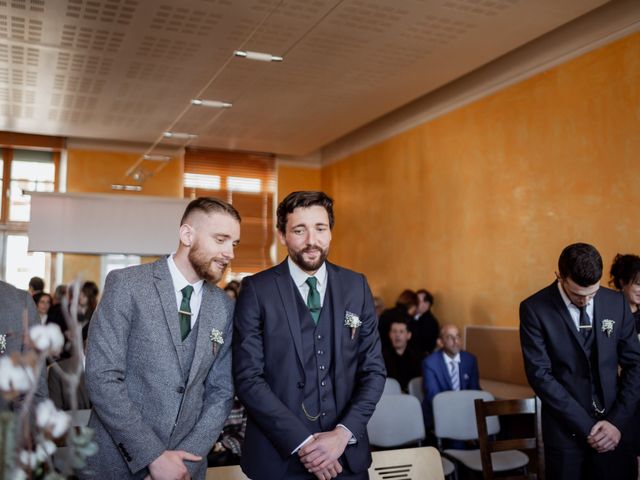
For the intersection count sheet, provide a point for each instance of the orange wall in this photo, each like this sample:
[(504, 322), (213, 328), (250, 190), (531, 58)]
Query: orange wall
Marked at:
[(477, 204), (291, 179), (95, 171)]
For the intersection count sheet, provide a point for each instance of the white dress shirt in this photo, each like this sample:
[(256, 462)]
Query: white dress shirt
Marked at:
[(575, 311), (299, 277), (179, 282)]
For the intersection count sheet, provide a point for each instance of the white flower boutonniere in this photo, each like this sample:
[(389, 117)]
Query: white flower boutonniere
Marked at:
[(607, 326), (216, 339), (3, 343), (353, 321)]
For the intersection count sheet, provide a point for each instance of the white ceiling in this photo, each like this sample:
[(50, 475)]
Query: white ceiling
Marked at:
[(126, 70)]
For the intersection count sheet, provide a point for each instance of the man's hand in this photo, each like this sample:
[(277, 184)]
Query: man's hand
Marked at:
[(324, 450), (604, 437), (170, 465), (332, 471)]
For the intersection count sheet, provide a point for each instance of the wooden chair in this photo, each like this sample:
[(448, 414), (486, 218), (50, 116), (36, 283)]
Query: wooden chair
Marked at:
[(226, 473), (486, 409), (422, 463)]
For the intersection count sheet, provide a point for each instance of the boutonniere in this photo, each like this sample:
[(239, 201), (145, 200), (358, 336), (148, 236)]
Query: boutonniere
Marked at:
[(216, 339), (353, 321), (3, 343), (607, 326)]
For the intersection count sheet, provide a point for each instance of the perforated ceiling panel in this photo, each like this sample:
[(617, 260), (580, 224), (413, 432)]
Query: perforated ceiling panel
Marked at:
[(128, 69)]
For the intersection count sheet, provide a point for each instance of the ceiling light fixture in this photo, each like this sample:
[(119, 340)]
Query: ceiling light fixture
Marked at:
[(260, 57), (179, 135), (156, 158), (199, 102), (128, 188)]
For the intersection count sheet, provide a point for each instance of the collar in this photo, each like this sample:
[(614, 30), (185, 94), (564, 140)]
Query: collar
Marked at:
[(448, 359), (300, 276), (179, 282), (567, 301)]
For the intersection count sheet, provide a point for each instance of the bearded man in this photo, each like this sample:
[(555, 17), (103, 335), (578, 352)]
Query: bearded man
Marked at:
[(307, 360), (158, 367)]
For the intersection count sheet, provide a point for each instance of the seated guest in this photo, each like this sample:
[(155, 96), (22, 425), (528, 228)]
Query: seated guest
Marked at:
[(401, 361), (424, 327), (447, 369), (625, 276), (59, 389), (228, 449), (43, 304), (404, 310)]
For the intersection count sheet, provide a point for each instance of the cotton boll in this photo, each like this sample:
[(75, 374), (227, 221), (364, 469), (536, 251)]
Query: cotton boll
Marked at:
[(47, 338)]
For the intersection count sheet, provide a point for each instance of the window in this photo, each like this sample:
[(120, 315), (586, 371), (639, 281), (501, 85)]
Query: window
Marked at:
[(247, 181), (114, 262), (23, 170)]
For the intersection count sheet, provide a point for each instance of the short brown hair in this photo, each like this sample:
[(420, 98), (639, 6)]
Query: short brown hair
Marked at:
[(303, 200), (209, 205), (407, 299)]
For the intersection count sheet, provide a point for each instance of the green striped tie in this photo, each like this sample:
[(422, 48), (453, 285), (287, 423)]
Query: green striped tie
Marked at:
[(185, 312), (313, 299)]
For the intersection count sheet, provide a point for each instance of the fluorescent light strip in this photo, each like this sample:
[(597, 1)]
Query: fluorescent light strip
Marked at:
[(259, 56), (179, 135), (128, 188), (156, 158), (199, 102)]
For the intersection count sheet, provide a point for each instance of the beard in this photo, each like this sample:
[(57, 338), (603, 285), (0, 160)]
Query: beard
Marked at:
[(204, 265), (306, 265)]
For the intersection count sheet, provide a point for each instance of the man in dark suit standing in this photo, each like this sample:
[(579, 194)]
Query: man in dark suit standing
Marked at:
[(449, 368), (574, 336), (307, 361)]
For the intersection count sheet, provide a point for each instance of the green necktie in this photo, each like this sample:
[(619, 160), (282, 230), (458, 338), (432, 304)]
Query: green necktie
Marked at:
[(313, 299), (185, 312)]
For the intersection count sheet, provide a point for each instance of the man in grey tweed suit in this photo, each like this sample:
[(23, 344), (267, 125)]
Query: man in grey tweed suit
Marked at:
[(13, 303), (158, 366)]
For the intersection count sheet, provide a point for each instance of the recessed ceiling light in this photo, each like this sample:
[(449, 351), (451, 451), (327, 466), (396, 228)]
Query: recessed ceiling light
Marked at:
[(179, 135), (128, 188), (156, 158), (210, 103)]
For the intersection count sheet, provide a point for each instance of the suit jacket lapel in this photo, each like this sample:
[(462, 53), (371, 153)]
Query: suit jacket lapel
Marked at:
[(444, 371), (164, 285), (338, 314), (559, 304), (210, 317), (286, 290)]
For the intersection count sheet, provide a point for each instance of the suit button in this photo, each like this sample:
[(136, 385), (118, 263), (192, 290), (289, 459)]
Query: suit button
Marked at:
[(319, 337), (322, 383), (321, 367), (320, 352), (324, 414), (300, 385), (180, 390)]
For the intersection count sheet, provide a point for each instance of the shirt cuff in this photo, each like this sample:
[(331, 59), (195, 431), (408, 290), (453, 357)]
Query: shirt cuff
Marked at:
[(306, 440), (352, 440)]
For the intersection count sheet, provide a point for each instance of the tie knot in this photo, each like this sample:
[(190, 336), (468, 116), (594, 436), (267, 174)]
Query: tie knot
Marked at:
[(186, 292), (312, 282)]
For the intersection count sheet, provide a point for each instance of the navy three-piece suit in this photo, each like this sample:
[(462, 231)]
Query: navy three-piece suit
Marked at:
[(296, 378)]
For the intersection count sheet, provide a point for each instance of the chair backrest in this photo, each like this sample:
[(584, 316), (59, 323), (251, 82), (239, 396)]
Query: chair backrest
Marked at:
[(416, 388), (409, 463), (454, 415), (391, 387), (397, 420), (226, 473), (487, 409)]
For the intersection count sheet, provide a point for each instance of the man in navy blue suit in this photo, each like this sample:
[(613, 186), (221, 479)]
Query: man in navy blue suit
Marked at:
[(307, 360), (582, 358), (449, 368)]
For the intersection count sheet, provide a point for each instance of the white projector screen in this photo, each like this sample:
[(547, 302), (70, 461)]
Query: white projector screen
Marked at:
[(103, 223)]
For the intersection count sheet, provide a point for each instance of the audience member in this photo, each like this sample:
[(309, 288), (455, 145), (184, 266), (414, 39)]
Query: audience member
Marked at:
[(625, 276), (378, 303), (449, 368), (13, 304), (235, 285), (36, 285), (401, 361), (228, 448), (43, 304), (55, 314), (87, 302), (404, 310), (582, 359), (59, 388), (231, 292), (424, 327)]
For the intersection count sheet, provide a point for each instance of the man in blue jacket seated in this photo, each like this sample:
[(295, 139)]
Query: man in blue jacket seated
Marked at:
[(448, 368)]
